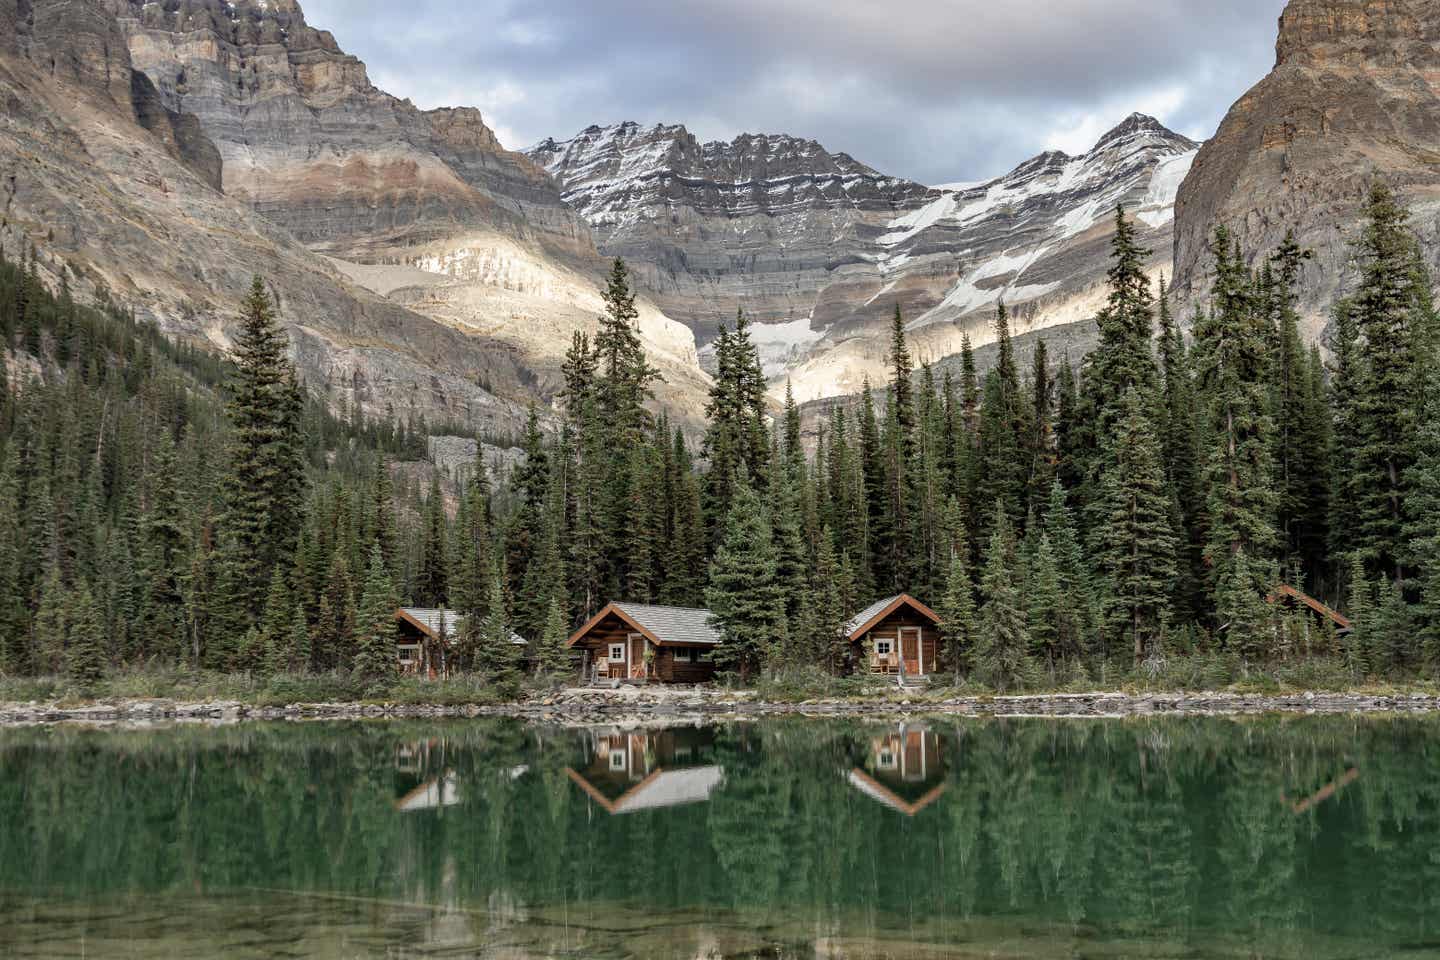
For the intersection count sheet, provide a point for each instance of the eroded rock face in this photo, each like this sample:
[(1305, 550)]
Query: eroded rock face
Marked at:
[(93, 171), (249, 143), (763, 220), (311, 143), (1354, 96), (820, 248)]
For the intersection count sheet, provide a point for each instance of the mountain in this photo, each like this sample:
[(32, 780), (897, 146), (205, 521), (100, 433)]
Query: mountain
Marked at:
[(168, 152), (1355, 95), (820, 248)]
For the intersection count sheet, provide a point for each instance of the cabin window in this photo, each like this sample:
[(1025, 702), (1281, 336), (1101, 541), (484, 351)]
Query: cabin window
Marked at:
[(886, 760), (409, 653), (883, 648), (617, 653), (617, 759), (684, 655)]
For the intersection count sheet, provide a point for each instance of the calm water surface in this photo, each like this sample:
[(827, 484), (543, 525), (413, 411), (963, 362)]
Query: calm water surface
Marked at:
[(1279, 837)]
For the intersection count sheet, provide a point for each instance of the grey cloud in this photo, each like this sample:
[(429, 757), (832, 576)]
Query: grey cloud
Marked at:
[(931, 89)]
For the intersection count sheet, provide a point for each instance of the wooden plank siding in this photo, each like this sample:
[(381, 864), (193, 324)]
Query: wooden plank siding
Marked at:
[(663, 668), (889, 629)]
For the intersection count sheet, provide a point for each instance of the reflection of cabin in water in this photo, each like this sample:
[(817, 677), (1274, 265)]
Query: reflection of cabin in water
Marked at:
[(434, 794), (425, 638), (637, 642), (424, 779), (903, 769), (627, 772), (897, 636)]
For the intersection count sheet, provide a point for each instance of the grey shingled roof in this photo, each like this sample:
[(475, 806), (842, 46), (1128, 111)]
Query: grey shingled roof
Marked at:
[(673, 624), (866, 615), (431, 617)]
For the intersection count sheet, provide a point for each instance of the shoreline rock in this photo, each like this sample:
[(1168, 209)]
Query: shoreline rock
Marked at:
[(632, 706)]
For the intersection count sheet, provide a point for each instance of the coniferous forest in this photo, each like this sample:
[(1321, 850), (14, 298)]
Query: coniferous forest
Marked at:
[(1127, 516)]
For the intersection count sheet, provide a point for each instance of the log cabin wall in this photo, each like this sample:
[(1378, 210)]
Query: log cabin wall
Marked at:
[(610, 630), (664, 668), (889, 629), (669, 670)]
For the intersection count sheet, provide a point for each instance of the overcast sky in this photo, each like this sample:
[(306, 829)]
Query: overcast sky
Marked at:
[(936, 90)]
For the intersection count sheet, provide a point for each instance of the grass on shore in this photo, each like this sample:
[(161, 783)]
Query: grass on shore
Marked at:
[(168, 683), (1201, 672)]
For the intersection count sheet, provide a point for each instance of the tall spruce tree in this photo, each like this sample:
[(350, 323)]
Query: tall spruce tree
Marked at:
[(375, 650), (1135, 540), (1393, 324), (1002, 644), (266, 485), (744, 595), (1232, 362)]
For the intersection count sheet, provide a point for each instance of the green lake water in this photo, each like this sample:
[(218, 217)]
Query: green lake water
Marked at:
[(1273, 837)]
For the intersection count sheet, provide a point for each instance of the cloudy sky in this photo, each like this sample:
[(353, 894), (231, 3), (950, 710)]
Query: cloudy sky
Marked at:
[(936, 90)]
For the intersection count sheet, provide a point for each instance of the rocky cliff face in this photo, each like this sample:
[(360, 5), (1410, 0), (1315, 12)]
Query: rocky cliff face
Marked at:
[(168, 152), (307, 140), (820, 248), (763, 220), (1355, 95)]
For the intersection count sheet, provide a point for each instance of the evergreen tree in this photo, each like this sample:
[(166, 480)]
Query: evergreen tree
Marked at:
[(1422, 528), (957, 618), (431, 587), (553, 653), (275, 627), (1136, 541), (744, 596), (1232, 360), (735, 439), (85, 658), (1002, 475), (496, 656), (1045, 599), (1002, 642), (266, 485), (826, 609), (1393, 322), (375, 653), (334, 634)]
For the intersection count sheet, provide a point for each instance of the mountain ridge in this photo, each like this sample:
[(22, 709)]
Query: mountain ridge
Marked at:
[(820, 247)]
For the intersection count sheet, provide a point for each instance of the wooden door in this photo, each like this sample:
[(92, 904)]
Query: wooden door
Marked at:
[(637, 657), (910, 651)]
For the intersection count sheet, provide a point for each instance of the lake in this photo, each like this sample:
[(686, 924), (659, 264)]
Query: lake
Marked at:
[(1313, 837)]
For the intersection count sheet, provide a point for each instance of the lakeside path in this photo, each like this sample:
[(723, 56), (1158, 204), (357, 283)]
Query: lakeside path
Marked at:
[(633, 706)]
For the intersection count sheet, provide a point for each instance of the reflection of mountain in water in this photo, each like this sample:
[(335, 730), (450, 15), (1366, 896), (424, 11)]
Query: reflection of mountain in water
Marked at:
[(632, 771), (903, 769)]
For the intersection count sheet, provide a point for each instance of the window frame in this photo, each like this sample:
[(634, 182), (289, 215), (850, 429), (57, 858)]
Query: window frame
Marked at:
[(403, 649), (889, 647), (617, 646), (684, 655)]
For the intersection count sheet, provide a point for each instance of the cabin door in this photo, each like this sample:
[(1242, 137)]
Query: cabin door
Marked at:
[(910, 651), (637, 657)]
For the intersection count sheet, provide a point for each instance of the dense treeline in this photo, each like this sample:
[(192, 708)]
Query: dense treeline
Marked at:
[(1067, 521)]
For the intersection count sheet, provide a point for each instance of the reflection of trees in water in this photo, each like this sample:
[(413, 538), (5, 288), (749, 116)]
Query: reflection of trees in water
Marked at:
[(1183, 829)]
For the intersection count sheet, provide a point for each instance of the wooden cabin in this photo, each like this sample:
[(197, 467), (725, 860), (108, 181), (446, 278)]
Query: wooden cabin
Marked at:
[(426, 636), (631, 771), (903, 768), (642, 643), (897, 636)]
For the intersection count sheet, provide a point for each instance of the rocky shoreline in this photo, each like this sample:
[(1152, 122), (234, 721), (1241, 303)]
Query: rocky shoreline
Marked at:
[(630, 705)]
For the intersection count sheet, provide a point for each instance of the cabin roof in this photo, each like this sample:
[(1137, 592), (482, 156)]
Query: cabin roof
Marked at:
[(866, 619), (876, 790), (440, 792), (664, 626), (428, 621), (663, 788)]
